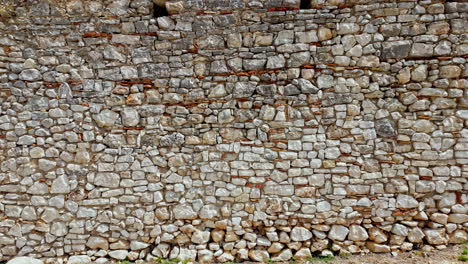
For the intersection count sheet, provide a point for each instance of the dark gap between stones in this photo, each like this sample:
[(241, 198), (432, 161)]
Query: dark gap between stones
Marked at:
[(305, 4), (159, 11)]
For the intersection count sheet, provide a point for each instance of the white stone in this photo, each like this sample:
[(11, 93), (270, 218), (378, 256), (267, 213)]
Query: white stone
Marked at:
[(300, 234), (83, 259), (25, 260)]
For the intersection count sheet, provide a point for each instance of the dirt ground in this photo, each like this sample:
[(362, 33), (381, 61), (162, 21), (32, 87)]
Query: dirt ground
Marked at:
[(447, 256)]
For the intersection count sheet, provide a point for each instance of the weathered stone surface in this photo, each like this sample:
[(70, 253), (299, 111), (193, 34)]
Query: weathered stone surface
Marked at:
[(396, 49), (231, 131), (338, 232), (79, 260), (25, 260), (300, 234), (436, 236), (106, 118), (357, 233)]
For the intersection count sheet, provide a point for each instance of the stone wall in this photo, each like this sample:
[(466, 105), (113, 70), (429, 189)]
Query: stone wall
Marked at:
[(241, 131)]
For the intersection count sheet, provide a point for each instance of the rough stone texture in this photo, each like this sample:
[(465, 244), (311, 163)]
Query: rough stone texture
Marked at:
[(25, 260), (231, 131)]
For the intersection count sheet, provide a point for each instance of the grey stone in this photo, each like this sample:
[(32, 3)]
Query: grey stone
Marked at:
[(30, 75), (107, 179), (106, 118), (306, 86), (422, 50), (385, 128), (396, 49)]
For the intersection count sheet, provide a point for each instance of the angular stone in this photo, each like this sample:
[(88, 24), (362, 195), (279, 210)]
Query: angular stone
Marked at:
[(137, 245), (436, 236), (306, 86), (200, 237), (377, 235), (106, 118), (182, 211), (244, 89), (406, 201), (415, 235), (276, 62), (377, 248), (60, 185), (130, 117), (385, 128)]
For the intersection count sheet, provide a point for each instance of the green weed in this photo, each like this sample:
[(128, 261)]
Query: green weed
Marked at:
[(160, 260), (464, 255), (320, 259)]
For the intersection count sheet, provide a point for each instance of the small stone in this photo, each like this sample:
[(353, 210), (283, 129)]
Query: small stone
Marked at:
[(415, 235), (118, 254), (377, 235), (377, 248), (79, 260)]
